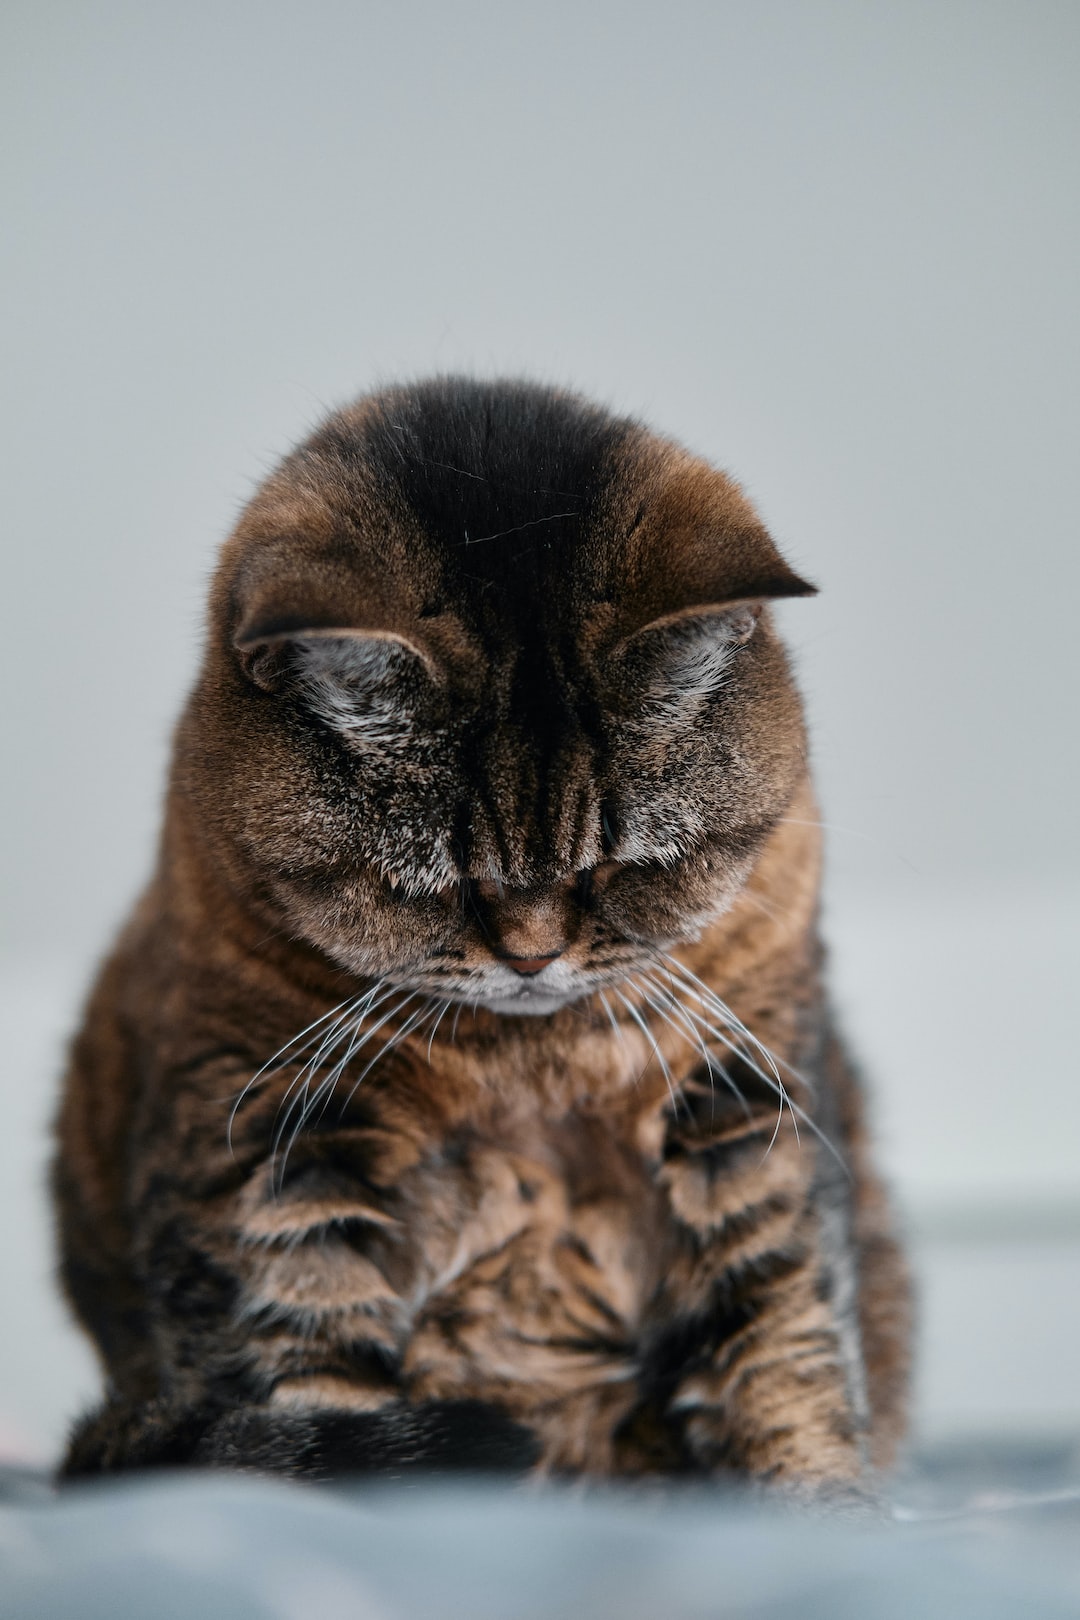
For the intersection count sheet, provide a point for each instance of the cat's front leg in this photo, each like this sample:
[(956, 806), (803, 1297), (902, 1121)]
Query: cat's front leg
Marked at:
[(773, 1401), (755, 1338), (277, 1313)]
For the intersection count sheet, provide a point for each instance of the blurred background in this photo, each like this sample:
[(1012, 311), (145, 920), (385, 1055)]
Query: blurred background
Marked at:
[(833, 247)]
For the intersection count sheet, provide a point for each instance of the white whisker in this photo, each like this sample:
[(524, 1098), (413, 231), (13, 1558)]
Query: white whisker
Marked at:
[(708, 998), (739, 1050), (719, 1009), (620, 1033), (691, 1034), (296, 1091), (651, 1038), (794, 1108), (445, 1008), (325, 1090), (279, 1057), (341, 1030), (394, 1039)]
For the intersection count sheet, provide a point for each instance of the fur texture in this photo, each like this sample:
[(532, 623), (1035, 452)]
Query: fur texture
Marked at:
[(463, 1091)]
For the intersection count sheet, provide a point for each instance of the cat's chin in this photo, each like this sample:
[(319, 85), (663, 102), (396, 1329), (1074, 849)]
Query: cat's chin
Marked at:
[(530, 1003)]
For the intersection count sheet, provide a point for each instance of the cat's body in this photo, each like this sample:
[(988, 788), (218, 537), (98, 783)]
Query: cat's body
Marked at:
[(490, 815)]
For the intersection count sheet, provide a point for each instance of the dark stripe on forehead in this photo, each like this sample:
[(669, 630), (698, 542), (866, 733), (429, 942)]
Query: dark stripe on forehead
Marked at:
[(506, 479), (503, 477), (499, 491)]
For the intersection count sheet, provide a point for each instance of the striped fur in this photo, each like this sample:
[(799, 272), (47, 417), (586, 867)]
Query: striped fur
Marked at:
[(463, 1092)]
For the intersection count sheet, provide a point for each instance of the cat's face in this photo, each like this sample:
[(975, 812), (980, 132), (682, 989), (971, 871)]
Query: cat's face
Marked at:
[(493, 706)]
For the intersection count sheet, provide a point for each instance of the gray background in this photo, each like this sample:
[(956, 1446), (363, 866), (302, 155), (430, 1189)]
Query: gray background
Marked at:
[(831, 246)]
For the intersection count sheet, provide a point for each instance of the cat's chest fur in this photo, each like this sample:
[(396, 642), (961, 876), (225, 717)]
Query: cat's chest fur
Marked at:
[(517, 1260), (539, 1259)]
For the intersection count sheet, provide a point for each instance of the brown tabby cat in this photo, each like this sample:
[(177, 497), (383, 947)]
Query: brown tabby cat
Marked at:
[(463, 1091)]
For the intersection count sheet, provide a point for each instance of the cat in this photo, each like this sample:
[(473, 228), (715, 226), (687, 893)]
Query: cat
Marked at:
[(463, 1091)]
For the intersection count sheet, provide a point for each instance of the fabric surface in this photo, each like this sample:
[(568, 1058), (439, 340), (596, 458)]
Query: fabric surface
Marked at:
[(968, 1535)]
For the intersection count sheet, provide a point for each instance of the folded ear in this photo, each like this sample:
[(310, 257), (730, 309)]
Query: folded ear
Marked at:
[(314, 627), (699, 567), (674, 664), (293, 591), (366, 685), (692, 540), (353, 658), (709, 572)]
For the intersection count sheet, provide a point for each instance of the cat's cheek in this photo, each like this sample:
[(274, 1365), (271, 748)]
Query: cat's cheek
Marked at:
[(356, 926), (675, 906)]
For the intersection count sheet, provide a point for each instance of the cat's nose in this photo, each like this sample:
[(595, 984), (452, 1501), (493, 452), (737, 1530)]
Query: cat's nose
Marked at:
[(527, 929), (527, 966)]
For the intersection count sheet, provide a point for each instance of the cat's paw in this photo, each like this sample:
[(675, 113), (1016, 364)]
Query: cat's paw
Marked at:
[(399, 1439), (856, 1500), (120, 1435)]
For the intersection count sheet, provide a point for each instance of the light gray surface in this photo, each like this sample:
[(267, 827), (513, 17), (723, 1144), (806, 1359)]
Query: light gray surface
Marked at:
[(213, 1549)]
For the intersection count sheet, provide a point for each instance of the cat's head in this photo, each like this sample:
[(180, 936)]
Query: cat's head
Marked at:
[(493, 704)]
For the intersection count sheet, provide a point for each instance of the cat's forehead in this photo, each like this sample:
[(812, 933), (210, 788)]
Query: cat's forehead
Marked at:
[(496, 493), (527, 514)]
